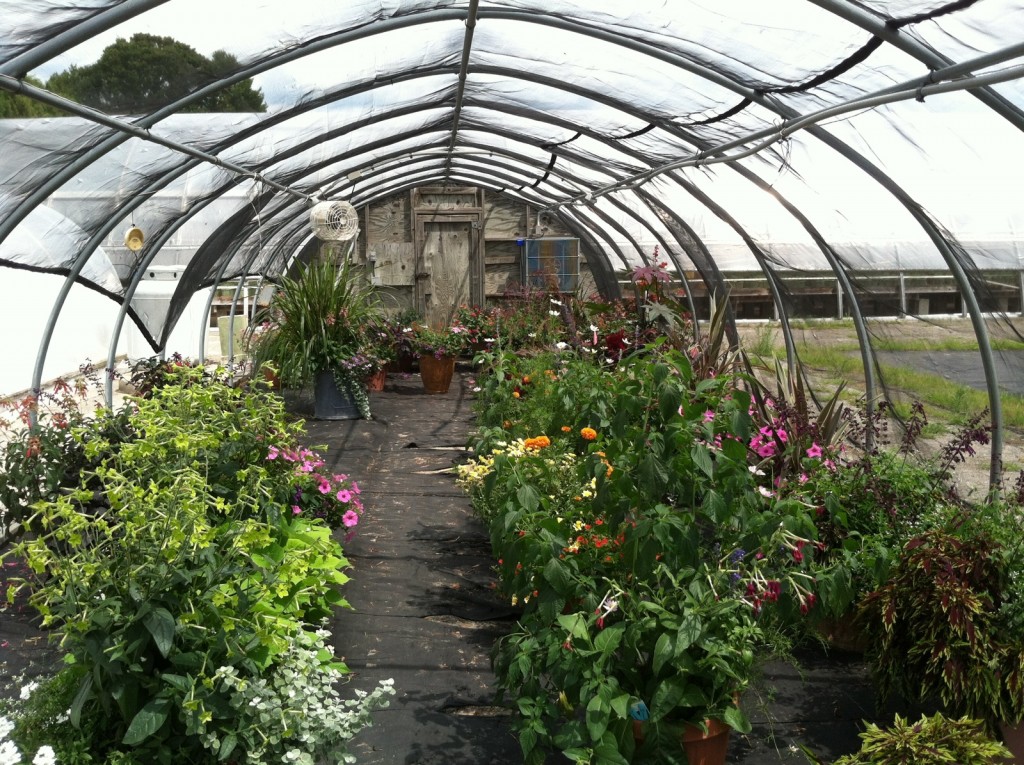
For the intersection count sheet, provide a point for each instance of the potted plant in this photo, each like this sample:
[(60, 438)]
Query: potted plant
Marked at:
[(314, 332), (437, 350), (947, 624), (935, 740)]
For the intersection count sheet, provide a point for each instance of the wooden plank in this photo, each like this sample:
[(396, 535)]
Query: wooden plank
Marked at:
[(448, 199), (497, 281), (395, 263), (389, 221), (504, 218)]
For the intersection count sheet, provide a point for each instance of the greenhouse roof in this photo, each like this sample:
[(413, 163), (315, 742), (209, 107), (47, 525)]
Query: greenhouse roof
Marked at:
[(785, 135)]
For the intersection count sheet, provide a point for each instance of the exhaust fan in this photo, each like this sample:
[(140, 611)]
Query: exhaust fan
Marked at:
[(334, 221)]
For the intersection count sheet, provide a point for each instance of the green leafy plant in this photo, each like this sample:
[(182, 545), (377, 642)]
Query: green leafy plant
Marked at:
[(439, 343), (38, 461), (934, 740), (935, 629), (317, 321), (191, 562)]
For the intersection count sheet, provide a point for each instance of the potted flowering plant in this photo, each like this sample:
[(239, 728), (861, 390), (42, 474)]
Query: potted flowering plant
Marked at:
[(314, 331), (437, 350)]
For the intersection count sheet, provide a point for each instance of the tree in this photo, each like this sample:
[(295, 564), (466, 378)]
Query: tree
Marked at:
[(12, 105), (141, 74)]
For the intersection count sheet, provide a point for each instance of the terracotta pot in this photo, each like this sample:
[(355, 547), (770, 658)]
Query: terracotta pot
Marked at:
[(1013, 739), (437, 373), (706, 748), (701, 748), (270, 375), (375, 382)]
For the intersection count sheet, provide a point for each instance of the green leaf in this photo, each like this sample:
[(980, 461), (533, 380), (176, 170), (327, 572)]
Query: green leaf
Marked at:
[(227, 746), (735, 719), (160, 624), (664, 650), (147, 722), (607, 753), (557, 575), (597, 717), (528, 498), (83, 695), (608, 639), (653, 474), (620, 705), (179, 682), (701, 457), (666, 698), (689, 633), (527, 740)]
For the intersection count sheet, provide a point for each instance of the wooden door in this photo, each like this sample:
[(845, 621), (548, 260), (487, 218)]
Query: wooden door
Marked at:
[(446, 260)]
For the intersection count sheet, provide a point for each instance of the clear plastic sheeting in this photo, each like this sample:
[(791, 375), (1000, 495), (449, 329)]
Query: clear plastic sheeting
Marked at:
[(792, 140)]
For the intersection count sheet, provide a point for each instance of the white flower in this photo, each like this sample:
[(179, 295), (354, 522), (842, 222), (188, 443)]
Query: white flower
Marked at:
[(556, 302), (553, 313), (532, 334), (488, 339), (561, 346), (28, 690), (764, 492), (477, 389), (9, 754), (45, 756), (593, 328), (755, 470), (6, 726)]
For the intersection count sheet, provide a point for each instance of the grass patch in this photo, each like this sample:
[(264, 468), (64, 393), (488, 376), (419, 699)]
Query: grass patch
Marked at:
[(957, 402)]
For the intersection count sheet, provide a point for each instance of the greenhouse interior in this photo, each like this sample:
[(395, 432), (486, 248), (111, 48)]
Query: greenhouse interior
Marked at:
[(502, 381)]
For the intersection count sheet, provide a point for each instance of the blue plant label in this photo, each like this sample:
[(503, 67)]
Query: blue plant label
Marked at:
[(639, 711)]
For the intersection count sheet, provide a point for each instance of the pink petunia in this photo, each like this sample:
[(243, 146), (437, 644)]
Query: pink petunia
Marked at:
[(709, 416), (814, 452), (355, 488), (325, 487), (296, 510), (273, 452), (804, 478), (350, 519), (766, 450), (344, 495)]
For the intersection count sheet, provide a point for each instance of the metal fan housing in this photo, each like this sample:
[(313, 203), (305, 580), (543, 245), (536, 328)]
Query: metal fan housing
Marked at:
[(334, 221)]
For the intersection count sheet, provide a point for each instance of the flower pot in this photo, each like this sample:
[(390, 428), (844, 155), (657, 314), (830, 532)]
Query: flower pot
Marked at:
[(436, 373), (331, 402), (375, 382), (1013, 739), (706, 748)]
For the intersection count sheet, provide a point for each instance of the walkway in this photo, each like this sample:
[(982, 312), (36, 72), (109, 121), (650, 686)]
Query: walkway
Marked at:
[(424, 611)]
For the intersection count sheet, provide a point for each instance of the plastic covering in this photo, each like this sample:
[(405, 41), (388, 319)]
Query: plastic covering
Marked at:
[(671, 123)]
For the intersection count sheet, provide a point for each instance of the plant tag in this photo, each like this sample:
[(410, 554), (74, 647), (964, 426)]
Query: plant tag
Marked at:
[(639, 711)]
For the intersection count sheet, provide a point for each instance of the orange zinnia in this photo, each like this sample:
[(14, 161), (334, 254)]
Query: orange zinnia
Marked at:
[(539, 442), (589, 434), (566, 428)]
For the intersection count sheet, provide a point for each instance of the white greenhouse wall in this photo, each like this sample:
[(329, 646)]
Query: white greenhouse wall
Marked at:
[(82, 333)]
